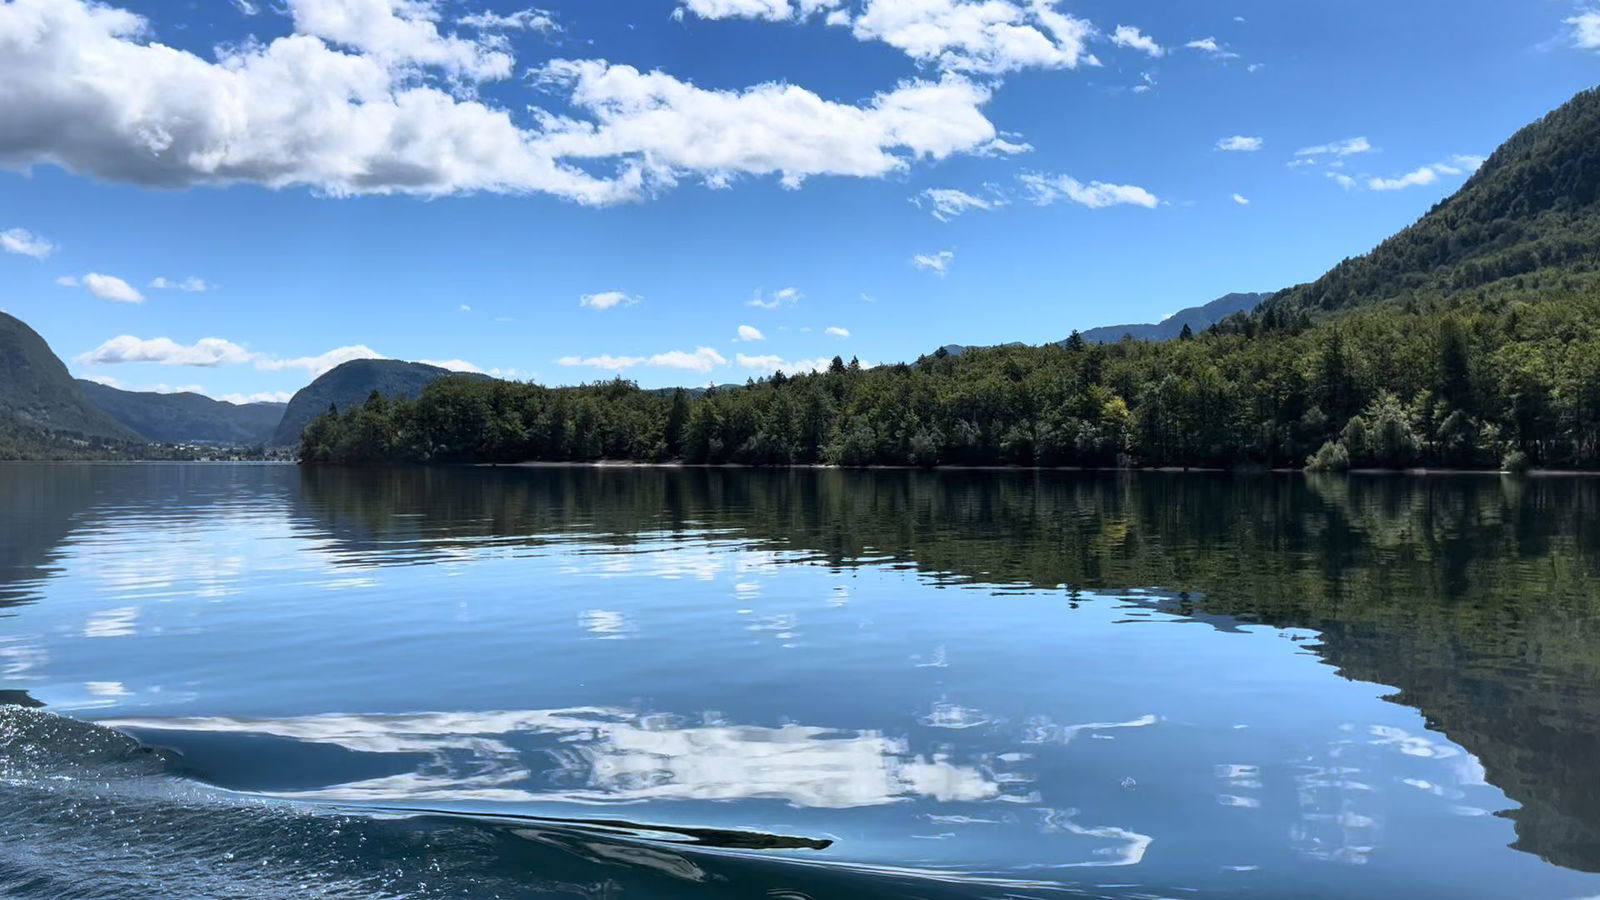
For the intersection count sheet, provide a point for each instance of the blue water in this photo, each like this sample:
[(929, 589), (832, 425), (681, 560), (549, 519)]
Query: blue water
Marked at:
[(256, 681)]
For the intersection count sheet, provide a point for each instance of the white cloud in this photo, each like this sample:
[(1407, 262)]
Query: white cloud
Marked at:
[(1241, 144), (165, 351), (1585, 30), (464, 308), (988, 37), (771, 363), (259, 397), (785, 297), (1133, 39), (191, 284), (541, 20), (106, 287), (1456, 165), (26, 243), (178, 389), (1343, 180), (1046, 189), (454, 365), (321, 363), (1241, 199), (948, 203), (703, 359), (937, 263), (370, 97), (1210, 45), (607, 300), (836, 331), (981, 36), (666, 128), (750, 333), (1346, 147), (106, 380), (399, 33)]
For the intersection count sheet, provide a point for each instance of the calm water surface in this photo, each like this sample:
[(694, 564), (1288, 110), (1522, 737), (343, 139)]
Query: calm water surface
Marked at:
[(256, 681)]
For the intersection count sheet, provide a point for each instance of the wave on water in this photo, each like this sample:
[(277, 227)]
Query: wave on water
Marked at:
[(89, 811)]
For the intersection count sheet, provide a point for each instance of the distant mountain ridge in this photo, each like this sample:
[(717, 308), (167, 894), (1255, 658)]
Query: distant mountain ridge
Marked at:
[(39, 396), (1198, 318), (348, 385), (182, 418)]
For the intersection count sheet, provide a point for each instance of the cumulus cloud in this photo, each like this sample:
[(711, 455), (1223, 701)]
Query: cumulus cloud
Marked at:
[(937, 263), (703, 359), (1343, 180), (191, 285), (1346, 147), (106, 380), (773, 363), (541, 20), (948, 203), (371, 97), (1047, 189), (1459, 164), (836, 331), (454, 365), (750, 333), (258, 397), (1585, 29), (785, 297), (1241, 199), (1210, 45), (321, 363), (127, 348), (607, 300), (26, 243), (106, 287), (986, 37), (1133, 39), (1241, 144)]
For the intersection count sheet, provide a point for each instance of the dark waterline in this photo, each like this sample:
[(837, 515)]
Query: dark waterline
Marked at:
[(697, 682)]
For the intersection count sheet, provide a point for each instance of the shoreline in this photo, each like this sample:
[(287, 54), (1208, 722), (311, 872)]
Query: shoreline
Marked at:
[(1170, 470)]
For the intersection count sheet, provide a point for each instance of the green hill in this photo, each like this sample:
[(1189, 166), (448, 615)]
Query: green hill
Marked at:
[(1524, 222), (348, 385), (41, 406), (185, 418)]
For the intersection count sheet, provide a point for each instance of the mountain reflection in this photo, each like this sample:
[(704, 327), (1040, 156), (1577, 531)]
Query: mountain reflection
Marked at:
[(1475, 597)]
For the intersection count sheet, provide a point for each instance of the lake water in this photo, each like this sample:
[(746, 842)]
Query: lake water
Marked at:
[(257, 681)]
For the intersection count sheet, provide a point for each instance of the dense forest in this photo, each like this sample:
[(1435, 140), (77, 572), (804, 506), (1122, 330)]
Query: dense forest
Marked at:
[(1469, 340)]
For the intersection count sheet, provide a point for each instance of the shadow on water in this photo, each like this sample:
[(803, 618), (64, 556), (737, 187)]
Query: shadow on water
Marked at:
[(1475, 597)]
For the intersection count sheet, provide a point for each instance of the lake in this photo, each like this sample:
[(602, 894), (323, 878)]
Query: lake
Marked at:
[(262, 681)]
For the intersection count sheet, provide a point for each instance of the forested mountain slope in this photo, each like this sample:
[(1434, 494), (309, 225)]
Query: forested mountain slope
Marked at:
[(184, 417), (40, 403), (1197, 318), (1524, 222), (349, 384)]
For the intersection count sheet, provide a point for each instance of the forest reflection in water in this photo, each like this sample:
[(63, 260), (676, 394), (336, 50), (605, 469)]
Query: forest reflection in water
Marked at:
[(1475, 598)]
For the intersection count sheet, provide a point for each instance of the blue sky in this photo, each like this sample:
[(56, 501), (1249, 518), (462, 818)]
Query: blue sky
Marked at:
[(689, 191)]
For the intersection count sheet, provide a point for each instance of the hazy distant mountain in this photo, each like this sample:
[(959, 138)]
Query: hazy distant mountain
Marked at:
[(37, 394), (1198, 318), (351, 383), (186, 417)]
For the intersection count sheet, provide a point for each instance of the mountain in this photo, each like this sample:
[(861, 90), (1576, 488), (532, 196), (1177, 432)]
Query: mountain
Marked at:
[(184, 418), (1525, 222), (349, 384), (1198, 318), (38, 398)]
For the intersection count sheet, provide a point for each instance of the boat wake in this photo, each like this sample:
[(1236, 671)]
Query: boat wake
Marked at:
[(91, 811)]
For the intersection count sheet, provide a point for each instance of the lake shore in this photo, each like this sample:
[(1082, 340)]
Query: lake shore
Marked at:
[(679, 464)]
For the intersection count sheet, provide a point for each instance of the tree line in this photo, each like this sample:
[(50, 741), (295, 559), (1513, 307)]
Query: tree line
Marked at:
[(1508, 379)]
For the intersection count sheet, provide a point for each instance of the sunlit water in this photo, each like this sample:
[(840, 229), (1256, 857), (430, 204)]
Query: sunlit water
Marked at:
[(261, 682)]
